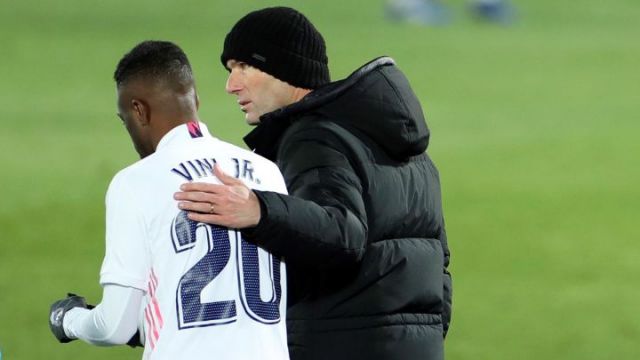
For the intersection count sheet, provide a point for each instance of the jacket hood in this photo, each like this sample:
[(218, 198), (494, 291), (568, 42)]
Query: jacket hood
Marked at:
[(376, 99), (381, 104)]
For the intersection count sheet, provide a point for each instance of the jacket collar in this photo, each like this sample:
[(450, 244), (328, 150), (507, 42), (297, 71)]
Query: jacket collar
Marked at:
[(264, 138)]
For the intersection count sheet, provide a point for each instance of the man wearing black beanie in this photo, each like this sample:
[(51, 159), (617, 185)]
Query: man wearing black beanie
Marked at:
[(362, 230)]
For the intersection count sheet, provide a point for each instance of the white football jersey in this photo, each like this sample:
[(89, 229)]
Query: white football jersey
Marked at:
[(209, 294)]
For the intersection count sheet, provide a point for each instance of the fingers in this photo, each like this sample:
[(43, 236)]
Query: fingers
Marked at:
[(211, 219), (201, 207), (196, 196), (220, 204), (195, 200), (202, 187)]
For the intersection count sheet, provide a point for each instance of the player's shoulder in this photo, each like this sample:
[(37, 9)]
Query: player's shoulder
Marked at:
[(130, 174)]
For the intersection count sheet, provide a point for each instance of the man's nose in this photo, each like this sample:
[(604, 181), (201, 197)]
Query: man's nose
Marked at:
[(233, 84)]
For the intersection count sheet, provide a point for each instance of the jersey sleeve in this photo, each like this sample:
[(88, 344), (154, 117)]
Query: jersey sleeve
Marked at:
[(112, 322), (126, 260)]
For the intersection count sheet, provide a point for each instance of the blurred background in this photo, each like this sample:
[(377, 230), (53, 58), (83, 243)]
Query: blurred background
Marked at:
[(534, 129)]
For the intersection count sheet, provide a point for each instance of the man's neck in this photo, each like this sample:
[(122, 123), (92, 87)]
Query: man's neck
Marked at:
[(299, 93)]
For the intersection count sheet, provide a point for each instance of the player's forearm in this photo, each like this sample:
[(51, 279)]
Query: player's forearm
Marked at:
[(112, 322)]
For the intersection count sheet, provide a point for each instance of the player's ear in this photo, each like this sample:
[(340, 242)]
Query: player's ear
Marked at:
[(197, 100), (141, 112)]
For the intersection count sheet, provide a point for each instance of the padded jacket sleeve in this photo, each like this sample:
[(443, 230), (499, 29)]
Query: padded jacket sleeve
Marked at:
[(322, 223)]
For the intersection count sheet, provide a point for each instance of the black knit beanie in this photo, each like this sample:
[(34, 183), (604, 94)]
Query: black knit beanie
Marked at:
[(281, 42)]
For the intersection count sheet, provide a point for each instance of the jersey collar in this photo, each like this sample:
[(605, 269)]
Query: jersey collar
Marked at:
[(185, 132)]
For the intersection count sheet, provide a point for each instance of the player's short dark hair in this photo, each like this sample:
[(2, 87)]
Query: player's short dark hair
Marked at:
[(157, 61)]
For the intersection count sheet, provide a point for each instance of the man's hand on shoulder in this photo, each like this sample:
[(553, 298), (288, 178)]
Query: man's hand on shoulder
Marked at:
[(231, 204)]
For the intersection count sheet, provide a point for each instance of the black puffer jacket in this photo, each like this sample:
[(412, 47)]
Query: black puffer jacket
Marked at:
[(363, 234)]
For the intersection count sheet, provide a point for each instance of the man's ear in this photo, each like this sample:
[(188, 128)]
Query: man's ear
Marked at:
[(197, 100), (141, 111)]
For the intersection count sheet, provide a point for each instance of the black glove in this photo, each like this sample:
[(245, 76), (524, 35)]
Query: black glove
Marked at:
[(57, 312)]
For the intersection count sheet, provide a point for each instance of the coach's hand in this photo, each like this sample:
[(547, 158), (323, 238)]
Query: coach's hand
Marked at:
[(231, 204), (57, 312)]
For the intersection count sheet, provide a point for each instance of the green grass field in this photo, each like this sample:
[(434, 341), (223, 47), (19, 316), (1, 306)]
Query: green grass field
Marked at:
[(534, 130)]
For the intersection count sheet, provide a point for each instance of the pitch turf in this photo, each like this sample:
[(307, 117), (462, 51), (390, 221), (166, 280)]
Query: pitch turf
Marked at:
[(534, 130)]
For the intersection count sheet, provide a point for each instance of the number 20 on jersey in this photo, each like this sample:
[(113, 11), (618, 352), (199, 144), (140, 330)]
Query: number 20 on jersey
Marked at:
[(192, 309)]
